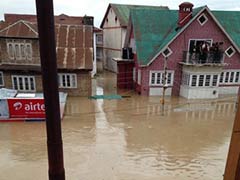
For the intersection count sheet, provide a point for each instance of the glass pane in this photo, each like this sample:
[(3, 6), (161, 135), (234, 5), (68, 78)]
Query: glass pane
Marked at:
[(32, 85), (26, 80), (215, 77), (227, 77), (63, 81), (194, 80), (68, 81), (158, 78), (237, 77), (15, 83), (201, 79), (169, 78), (221, 77), (20, 81), (207, 82), (231, 76), (153, 78)]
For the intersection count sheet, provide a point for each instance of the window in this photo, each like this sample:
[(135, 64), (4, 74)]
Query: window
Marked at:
[(204, 80), (227, 77), (67, 80), (230, 77), (167, 52), (99, 38), (19, 51), (207, 80), (230, 51), (237, 77), (202, 19), (215, 80), (24, 83), (157, 78), (194, 80), (221, 77), (1, 79), (195, 44), (201, 79)]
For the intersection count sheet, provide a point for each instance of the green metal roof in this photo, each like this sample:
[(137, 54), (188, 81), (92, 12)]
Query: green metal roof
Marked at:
[(123, 11), (230, 21), (154, 29)]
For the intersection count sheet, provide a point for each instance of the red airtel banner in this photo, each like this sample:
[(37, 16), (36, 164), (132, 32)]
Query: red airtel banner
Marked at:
[(26, 108)]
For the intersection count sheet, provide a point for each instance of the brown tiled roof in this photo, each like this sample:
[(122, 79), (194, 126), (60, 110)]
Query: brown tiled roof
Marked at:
[(21, 29), (74, 46), (61, 19), (74, 43)]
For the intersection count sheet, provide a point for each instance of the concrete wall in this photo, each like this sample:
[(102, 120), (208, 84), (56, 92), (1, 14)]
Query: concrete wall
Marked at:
[(199, 92), (113, 40)]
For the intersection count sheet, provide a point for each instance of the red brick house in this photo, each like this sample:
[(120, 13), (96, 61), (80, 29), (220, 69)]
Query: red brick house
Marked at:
[(200, 48), (20, 58)]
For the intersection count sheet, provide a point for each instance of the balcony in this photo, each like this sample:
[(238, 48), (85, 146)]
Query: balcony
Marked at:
[(205, 58)]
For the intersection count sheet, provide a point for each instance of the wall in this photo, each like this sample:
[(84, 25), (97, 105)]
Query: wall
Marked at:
[(84, 87), (35, 52), (113, 40), (209, 30)]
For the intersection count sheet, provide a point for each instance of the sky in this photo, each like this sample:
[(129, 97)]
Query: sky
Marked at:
[(97, 8)]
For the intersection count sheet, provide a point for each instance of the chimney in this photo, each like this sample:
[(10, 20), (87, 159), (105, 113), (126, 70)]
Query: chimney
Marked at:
[(87, 20), (185, 13)]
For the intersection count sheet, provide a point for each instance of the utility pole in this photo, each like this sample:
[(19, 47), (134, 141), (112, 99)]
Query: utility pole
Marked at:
[(164, 83), (46, 33), (232, 170)]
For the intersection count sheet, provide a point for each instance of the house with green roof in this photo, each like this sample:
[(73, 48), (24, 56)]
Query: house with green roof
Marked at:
[(190, 52), (114, 26)]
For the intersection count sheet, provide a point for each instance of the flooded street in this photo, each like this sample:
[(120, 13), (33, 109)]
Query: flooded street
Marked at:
[(126, 139)]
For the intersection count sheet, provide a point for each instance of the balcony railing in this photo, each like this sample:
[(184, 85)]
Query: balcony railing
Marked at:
[(203, 58)]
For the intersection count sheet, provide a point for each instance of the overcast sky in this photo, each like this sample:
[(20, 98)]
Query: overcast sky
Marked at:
[(97, 8)]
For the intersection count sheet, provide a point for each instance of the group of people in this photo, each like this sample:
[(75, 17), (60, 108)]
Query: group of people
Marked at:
[(204, 53)]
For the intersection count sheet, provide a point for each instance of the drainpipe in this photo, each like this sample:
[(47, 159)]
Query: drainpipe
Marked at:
[(46, 32)]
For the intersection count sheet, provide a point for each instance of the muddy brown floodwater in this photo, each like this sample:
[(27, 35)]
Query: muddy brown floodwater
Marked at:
[(127, 139)]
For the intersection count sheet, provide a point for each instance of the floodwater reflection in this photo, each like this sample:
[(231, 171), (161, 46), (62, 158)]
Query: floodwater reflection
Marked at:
[(127, 139)]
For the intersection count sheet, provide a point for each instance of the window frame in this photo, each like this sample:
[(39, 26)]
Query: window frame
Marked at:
[(158, 78), (14, 50), (23, 79), (2, 79), (226, 75), (206, 19), (230, 55), (71, 77), (170, 52), (203, 80)]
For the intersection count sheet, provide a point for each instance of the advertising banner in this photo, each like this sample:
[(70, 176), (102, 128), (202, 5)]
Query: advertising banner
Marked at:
[(26, 108)]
